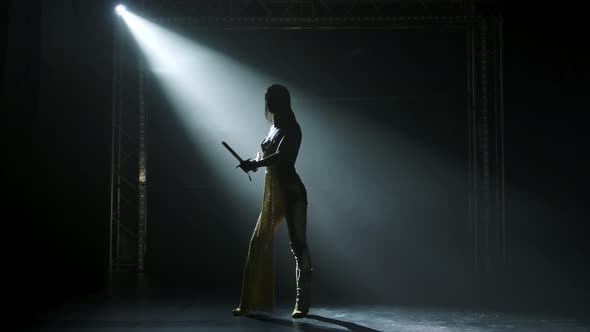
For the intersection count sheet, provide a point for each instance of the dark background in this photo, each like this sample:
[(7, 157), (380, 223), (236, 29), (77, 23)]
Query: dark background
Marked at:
[(57, 60)]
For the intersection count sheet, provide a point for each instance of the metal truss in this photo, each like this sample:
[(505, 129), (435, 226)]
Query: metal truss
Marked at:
[(483, 36), (128, 215), (487, 226), (305, 8)]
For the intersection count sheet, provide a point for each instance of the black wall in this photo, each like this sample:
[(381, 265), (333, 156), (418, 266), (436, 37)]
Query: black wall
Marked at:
[(546, 84), (55, 101)]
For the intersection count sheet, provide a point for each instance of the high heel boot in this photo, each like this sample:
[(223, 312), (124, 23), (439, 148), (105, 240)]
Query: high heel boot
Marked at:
[(302, 300)]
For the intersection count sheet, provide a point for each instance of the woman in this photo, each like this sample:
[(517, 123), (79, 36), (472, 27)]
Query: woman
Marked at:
[(284, 197)]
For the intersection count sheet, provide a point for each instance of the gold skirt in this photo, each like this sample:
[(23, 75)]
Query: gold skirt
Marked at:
[(258, 284)]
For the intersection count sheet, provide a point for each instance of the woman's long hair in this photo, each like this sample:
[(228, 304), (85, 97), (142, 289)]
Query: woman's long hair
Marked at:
[(277, 101)]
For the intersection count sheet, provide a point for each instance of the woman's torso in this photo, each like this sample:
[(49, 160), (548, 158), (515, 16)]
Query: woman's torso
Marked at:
[(287, 140)]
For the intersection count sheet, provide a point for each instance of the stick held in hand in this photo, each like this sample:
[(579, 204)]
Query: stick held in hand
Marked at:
[(235, 156)]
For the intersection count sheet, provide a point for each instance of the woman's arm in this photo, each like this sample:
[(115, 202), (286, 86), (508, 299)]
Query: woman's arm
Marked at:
[(251, 165), (286, 152), (271, 159)]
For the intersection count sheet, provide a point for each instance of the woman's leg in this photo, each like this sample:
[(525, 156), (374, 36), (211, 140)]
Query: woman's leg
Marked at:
[(297, 224), (258, 283)]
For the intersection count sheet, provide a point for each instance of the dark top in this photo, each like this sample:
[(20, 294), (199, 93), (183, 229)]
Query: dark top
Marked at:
[(285, 140)]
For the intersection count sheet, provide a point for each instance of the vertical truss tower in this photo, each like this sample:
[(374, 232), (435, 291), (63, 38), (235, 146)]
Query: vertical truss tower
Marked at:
[(127, 243)]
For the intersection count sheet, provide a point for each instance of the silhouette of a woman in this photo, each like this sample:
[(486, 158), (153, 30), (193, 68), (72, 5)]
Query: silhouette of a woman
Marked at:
[(285, 197)]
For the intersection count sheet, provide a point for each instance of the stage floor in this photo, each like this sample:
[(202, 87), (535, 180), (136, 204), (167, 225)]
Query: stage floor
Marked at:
[(173, 314)]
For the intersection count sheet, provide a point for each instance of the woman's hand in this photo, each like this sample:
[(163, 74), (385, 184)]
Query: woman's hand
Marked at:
[(249, 165)]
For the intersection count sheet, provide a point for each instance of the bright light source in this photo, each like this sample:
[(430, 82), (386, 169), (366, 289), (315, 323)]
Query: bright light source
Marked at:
[(120, 9)]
